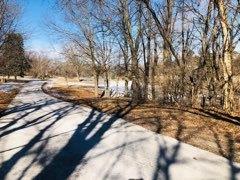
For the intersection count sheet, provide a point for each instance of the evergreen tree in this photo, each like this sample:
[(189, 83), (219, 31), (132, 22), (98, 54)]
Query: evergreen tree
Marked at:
[(15, 61)]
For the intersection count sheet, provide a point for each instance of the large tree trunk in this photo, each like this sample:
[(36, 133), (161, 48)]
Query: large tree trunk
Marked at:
[(107, 91), (126, 66), (147, 68), (136, 85), (227, 58), (168, 30), (147, 60), (96, 81), (134, 46), (154, 62), (228, 83), (166, 53), (126, 87)]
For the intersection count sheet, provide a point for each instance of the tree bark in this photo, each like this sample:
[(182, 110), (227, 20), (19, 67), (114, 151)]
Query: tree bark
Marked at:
[(107, 91), (168, 31), (96, 82), (136, 86), (147, 60), (133, 43), (154, 62), (126, 87), (228, 93)]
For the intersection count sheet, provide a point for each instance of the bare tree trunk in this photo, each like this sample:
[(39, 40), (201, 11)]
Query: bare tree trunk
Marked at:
[(146, 65), (136, 86), (168, 30), (96, 82), (166, 53), (154, 62), (126, 66), (227, 58), (134, 47), (126, 87), (107, 91)]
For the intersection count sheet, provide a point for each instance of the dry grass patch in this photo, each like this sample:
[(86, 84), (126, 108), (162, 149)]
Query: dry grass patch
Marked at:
[(6, 98), (209, 130)]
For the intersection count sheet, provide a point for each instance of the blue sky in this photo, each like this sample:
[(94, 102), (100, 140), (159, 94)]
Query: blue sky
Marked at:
[(33, 24)]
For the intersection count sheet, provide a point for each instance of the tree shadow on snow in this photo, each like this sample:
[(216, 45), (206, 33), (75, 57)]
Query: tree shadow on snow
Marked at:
[(23, 112), (72, 154), (87, 135), (54, 117)]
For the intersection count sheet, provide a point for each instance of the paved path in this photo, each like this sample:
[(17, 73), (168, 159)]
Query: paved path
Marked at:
[(44, 138)]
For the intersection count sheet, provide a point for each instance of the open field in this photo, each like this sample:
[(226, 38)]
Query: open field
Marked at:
[(206, 129)]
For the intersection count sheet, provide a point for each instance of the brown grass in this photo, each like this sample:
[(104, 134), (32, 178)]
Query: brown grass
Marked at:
[(207, 129), (6, 98)]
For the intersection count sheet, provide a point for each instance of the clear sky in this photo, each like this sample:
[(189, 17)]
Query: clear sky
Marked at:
[(33, 23)]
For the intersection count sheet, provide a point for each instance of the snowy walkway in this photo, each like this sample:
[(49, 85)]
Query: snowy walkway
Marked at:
[(45, 138)]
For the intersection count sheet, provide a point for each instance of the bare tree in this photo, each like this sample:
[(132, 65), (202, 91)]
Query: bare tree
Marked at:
[(76, 58), (226, 55), (180, 49)]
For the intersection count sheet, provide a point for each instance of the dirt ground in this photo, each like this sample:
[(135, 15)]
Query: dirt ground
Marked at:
[(207, 129)]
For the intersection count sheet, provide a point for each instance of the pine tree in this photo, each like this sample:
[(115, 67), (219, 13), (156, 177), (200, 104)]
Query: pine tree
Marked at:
[(14, 57)]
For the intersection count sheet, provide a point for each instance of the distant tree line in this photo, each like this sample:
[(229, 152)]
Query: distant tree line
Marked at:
[(43, 67)]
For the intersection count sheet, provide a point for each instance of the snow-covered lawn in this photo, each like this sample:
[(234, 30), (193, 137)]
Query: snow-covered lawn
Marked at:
[(8, 87), (117, 87)]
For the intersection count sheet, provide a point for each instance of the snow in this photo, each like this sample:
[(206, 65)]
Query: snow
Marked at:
[(46, 138), (117, 87), (8, 87)]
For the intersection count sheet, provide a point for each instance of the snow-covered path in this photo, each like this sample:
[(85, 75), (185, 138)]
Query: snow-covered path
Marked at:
[(44, 138)]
